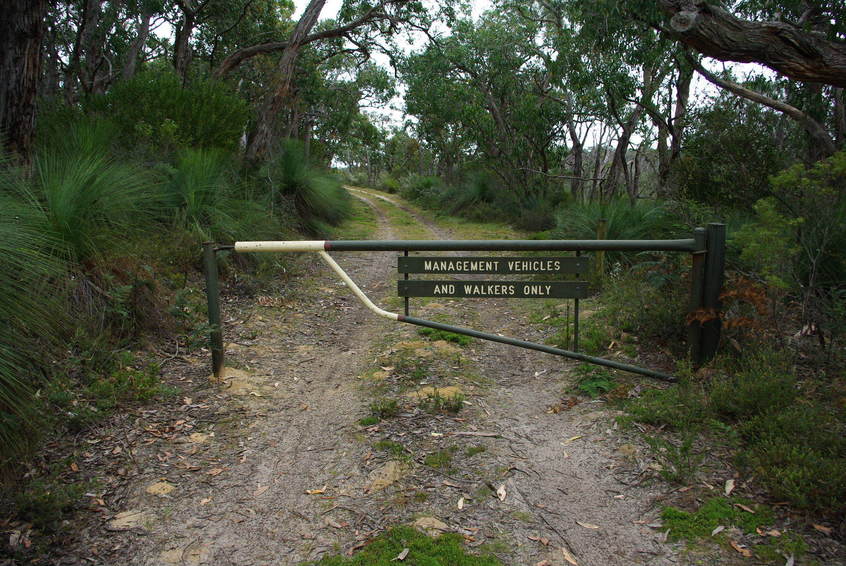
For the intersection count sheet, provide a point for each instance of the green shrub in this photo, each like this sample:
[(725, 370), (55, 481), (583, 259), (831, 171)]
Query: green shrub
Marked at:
[(594, 381), (203, 197), (319, 198), (752, 392), (648, 300), (425, 191), (31, 309), (45, 502), (153, 109), (768, 244), (88, 201)]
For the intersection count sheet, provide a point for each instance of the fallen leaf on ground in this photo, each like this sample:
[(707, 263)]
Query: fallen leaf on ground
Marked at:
[(770, 533), (401, 556), (569, 557), (717, 530), (544, 541), (729, 487), (320, 491), (336, 525), (501, 493), (587, 525), (215, 472), (744, 507), (571, 439), (460, 503), (205, 501), (261, 489), (822, 529), (544, 563), (745, 552)]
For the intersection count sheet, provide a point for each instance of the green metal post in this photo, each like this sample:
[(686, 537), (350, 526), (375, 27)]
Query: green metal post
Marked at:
[(697, 278), (576, 315), (213, 296), (715, 260)]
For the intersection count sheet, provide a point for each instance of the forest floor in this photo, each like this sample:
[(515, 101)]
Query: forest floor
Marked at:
[(273, 465)]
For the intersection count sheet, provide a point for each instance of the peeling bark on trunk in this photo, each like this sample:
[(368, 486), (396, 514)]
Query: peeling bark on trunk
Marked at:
[(22, 30), (789, 50)]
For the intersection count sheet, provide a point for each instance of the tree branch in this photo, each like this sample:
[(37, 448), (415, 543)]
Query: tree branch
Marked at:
[(814, 128), (239, 56), (787, 49)]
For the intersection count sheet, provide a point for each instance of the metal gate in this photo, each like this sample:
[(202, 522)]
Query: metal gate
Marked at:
[(706, 247)]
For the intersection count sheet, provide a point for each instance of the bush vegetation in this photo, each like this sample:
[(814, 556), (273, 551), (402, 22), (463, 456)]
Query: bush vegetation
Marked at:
[(101, 239)]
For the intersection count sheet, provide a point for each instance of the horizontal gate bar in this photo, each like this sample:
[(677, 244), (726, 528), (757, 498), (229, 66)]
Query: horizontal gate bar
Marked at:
[(683, 245), (535, 346)]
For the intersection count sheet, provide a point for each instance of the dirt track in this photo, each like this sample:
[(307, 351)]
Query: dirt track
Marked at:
[(230, 484)]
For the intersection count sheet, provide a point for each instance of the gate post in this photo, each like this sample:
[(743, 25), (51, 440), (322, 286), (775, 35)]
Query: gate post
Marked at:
[(715, 261), (213, 296), (697, 285)]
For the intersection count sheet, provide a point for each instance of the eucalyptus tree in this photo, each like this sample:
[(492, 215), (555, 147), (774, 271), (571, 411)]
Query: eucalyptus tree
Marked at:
[(22, 29), (802, 41), (474, 95)]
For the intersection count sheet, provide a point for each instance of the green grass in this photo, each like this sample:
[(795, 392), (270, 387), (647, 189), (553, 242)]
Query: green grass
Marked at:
[(715, 512), (445, 550), (361, 224), (440, 459), (593, 380), (384, 408), (473, 450), (395, 449), (437, 403), (434, 334)]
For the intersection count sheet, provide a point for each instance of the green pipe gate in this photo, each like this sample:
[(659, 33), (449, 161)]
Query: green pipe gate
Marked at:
[(706, 247)]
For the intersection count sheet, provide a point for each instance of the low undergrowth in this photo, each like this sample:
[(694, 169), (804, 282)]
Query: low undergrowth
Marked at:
[(415, 548)]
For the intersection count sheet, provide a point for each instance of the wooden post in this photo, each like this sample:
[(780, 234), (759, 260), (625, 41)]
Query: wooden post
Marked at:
[(697, 277), (715, 260), (213, 297)]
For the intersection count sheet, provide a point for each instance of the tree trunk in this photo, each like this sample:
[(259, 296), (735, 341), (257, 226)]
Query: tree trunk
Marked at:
[(182, 45), (577, 183), (276, 100), (136, 48), (77, 73), (22, 29), (839, 118), (50, 83)]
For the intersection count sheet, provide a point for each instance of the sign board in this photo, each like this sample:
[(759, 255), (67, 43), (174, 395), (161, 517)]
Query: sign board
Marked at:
[(494, 289), (487, 265)]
